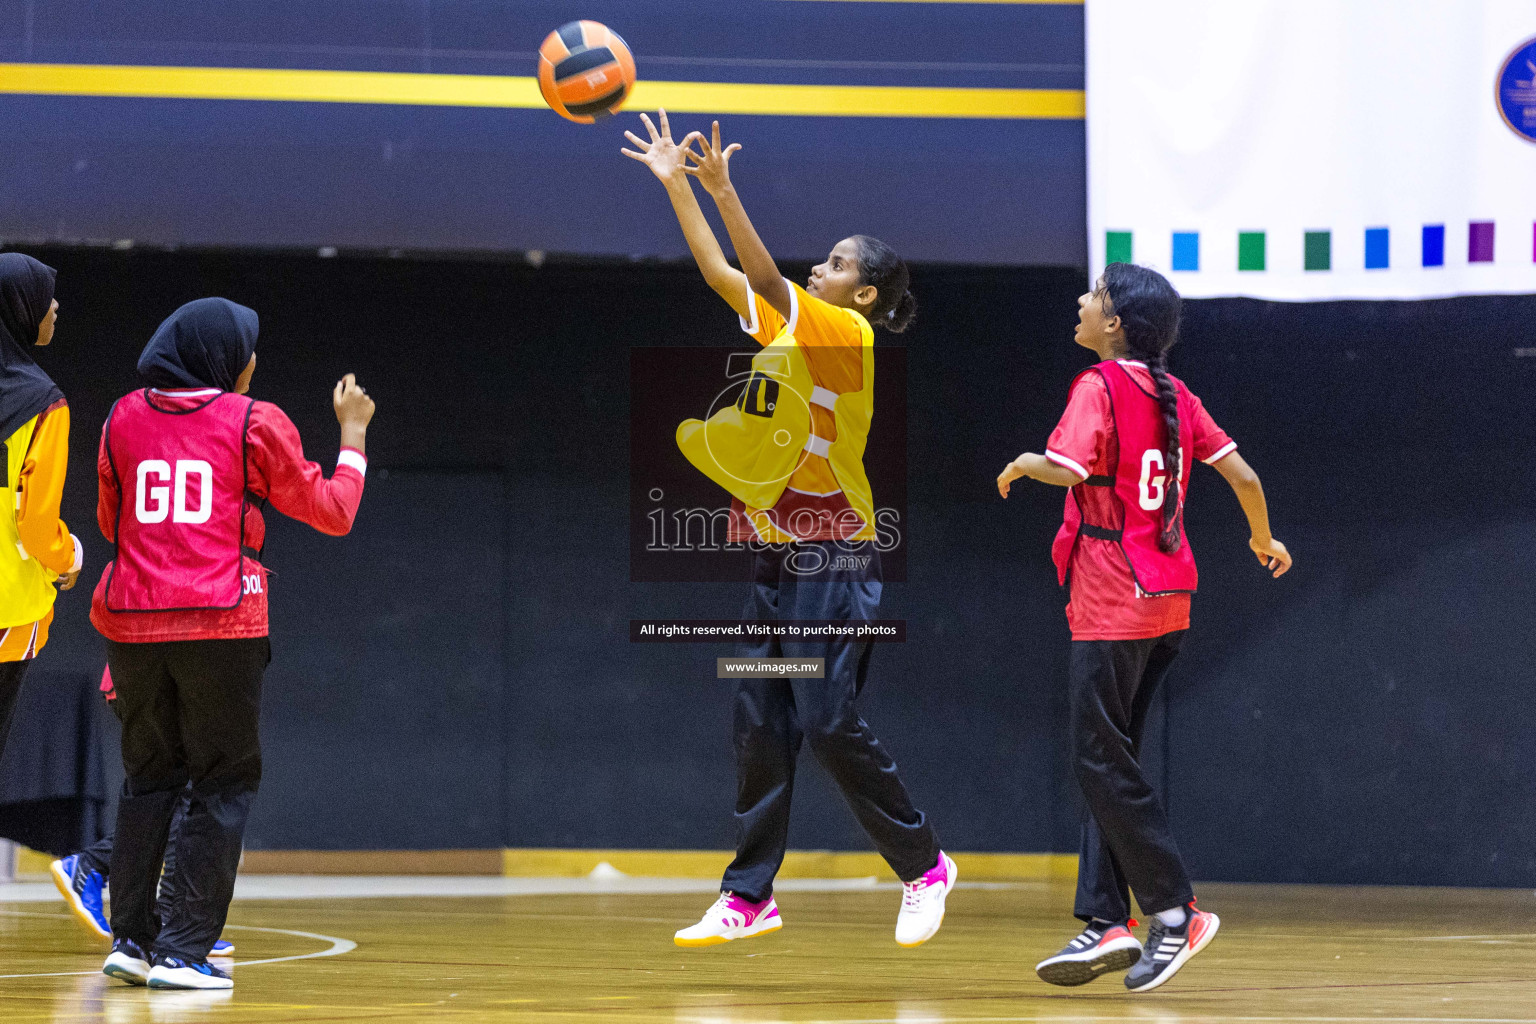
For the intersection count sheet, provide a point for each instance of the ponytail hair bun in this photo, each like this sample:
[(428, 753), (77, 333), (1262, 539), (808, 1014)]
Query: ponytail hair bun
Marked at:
[(901, 317)]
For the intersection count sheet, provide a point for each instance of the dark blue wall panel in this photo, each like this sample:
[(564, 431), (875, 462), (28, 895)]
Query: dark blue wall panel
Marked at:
[(233, 173)]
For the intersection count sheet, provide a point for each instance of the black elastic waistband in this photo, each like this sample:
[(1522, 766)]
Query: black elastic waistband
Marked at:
[(1100, 481), (1099, 533)]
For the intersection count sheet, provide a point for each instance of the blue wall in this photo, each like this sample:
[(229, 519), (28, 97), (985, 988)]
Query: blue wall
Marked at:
[(457, 671), (250, 173)]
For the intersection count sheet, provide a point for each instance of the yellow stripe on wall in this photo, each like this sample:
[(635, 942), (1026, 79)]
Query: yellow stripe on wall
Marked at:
[(1065, 3), (388, 87), (857, 100)]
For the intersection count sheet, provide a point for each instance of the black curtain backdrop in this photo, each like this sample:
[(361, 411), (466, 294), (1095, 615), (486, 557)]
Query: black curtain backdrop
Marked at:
[(457, 671), (54, 789)]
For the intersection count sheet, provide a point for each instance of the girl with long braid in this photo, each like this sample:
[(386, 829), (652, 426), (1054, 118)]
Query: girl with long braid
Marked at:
[(1120, 448)]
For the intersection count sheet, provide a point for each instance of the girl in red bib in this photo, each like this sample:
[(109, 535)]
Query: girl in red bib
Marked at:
[(1120, 448), (183, 466)]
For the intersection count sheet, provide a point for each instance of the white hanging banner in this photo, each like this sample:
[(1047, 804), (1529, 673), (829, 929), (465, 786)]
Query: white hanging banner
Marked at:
[(1315, 149)]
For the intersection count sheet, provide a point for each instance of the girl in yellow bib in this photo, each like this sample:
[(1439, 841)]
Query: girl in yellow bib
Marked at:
[(37, 551), (790, 452)]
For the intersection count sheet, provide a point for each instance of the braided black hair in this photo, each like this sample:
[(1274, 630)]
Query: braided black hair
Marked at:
[(894, 307), (1149, 308)]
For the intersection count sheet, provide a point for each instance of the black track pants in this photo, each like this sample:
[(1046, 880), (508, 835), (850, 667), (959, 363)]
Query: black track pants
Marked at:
[(774, 716), (1126, 842), (98, 858), (11, 673), (190, 712)]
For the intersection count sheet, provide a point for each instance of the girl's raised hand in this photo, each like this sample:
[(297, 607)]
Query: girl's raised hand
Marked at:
[(353, 406), (663, 156), (713, 165)]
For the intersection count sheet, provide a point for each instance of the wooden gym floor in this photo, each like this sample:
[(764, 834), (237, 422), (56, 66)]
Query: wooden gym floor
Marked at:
[(1285, 953)]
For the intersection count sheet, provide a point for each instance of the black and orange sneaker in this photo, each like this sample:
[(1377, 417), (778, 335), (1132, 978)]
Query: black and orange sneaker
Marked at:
[(1100, 949), (1169, 949)]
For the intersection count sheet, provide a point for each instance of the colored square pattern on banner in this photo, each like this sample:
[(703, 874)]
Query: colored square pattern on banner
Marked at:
[(1378, 248), (1117, 247), (1250, 250), (1480, 241), (1186, 250), (1434, 245), (1317, 250)]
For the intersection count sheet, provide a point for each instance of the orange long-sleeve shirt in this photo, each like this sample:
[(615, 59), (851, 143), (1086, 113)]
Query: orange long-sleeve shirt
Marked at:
[(42, 532)]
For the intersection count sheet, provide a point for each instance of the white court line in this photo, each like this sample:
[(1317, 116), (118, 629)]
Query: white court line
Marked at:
[(1182, 1018), (1461, 938), (338, 947)]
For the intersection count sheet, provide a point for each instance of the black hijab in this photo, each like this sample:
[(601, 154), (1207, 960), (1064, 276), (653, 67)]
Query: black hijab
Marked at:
[(204, 344), (26, 294)]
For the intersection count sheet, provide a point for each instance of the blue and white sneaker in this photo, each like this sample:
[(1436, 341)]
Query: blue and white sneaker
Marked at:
[(222, 948), (176, 972), (127, 962), (82, 889)]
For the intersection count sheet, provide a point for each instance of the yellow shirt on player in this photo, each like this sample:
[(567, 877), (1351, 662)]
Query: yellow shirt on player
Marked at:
[(838, 347)]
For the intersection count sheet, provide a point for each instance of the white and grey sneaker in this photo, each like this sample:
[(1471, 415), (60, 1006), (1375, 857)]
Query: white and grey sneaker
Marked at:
[(1169, 949), (127, 962), (1099, 950), (177, 972)]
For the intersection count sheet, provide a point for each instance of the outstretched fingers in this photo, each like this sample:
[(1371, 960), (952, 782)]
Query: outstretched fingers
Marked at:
[(655, 135)]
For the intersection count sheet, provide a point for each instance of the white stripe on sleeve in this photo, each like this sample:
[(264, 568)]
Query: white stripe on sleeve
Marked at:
[(751, 327), (1066, 463), (1221, 453), (348, 457)]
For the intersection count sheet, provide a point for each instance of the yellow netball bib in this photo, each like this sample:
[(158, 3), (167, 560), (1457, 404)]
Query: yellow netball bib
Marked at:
[(752, 447)]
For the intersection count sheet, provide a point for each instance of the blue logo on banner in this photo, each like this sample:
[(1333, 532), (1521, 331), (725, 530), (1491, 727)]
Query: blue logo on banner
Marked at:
[(1517, 90)]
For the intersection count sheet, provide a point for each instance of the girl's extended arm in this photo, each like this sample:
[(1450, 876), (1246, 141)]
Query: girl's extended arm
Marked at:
[(665, 159), (713, 171), (1036, 467), (1250, 494)]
